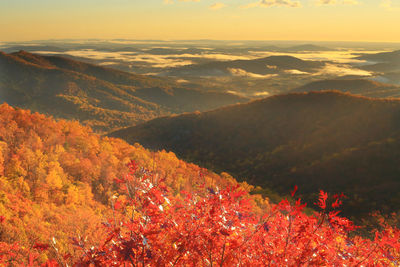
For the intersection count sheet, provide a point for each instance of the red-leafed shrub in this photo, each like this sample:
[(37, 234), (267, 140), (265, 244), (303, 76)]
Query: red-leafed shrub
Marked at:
[(212, 226), (217, 227)]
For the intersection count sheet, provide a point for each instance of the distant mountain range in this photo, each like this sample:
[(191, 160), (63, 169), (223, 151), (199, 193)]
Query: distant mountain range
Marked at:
[(163, 50), (101, 97), (261, 66), (306, 48), (272, 48), (354, 86), (382, 62), (381, 57), (320, 140)]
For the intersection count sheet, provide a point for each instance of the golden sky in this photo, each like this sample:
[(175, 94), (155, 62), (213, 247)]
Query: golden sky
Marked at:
[(314, 20)]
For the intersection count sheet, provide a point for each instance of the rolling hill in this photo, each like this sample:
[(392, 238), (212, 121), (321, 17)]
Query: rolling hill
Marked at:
[(261, 66), (100, 97), (320, 140), (354, 86), (381, 62), (381, 57), (306, 48)]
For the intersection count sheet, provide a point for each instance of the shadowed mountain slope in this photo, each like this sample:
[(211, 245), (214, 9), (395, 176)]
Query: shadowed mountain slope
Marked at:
[(320, 140), (381, 62), (354, 86)]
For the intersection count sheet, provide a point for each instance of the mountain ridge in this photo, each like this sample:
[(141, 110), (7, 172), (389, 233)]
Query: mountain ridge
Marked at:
[(94, 94), (261, 66), (294, 139), (362, 87)]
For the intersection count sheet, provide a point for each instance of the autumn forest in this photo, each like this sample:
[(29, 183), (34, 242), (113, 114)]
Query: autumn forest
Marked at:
[(199, 133)]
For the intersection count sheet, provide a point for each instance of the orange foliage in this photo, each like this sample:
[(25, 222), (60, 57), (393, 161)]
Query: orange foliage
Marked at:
[(57, 178)]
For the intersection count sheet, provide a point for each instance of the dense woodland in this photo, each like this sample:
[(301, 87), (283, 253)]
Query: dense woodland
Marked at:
[(57, 178), (71, 197), (320, 140)]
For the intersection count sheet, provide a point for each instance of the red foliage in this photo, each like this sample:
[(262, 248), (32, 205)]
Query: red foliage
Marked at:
[(217, 227), (294, 190), (213, 226), (41, 246)]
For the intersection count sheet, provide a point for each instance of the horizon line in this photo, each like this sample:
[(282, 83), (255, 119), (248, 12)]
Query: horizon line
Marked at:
[(201, 39)]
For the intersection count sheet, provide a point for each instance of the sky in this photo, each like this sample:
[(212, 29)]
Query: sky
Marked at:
[(313, 20)]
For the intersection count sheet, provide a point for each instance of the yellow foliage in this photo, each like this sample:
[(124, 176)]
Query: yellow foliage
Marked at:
[(58, 177), (53, 180), (72, 195)]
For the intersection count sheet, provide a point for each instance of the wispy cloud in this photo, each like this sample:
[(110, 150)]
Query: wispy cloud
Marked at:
[(342, 70), (296, 72), (217, 6), (242, 73), (265, 93), (172, 1), (326, 2), (350, 2), (390, 4), (271, 3), (337, 2)]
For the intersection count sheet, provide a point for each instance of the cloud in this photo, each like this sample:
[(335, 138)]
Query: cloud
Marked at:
[(350, 2), (182, 81), (341, 70), (217, 6), (265, 93), (386, 4), (390, 4), (172, 1), (271, 3), (326, 2), (296, 72), (242, 73), (337, 2)]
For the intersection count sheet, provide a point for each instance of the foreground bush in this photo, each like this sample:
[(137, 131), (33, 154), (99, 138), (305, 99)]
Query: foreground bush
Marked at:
[(216, 227)]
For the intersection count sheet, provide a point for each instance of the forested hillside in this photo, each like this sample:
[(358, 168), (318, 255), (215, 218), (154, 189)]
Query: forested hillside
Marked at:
[(321, 140), (362, 87), (100, 97), (57, 178), (69, 197)]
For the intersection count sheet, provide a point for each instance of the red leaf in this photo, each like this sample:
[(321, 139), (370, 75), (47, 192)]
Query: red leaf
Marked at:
[(41, 246), (117, 205), (119, 181), (224, 232), (323, 196), (294, 190)]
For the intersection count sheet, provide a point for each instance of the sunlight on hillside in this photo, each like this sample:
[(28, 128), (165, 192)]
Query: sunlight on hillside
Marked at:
[(199, 133)]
